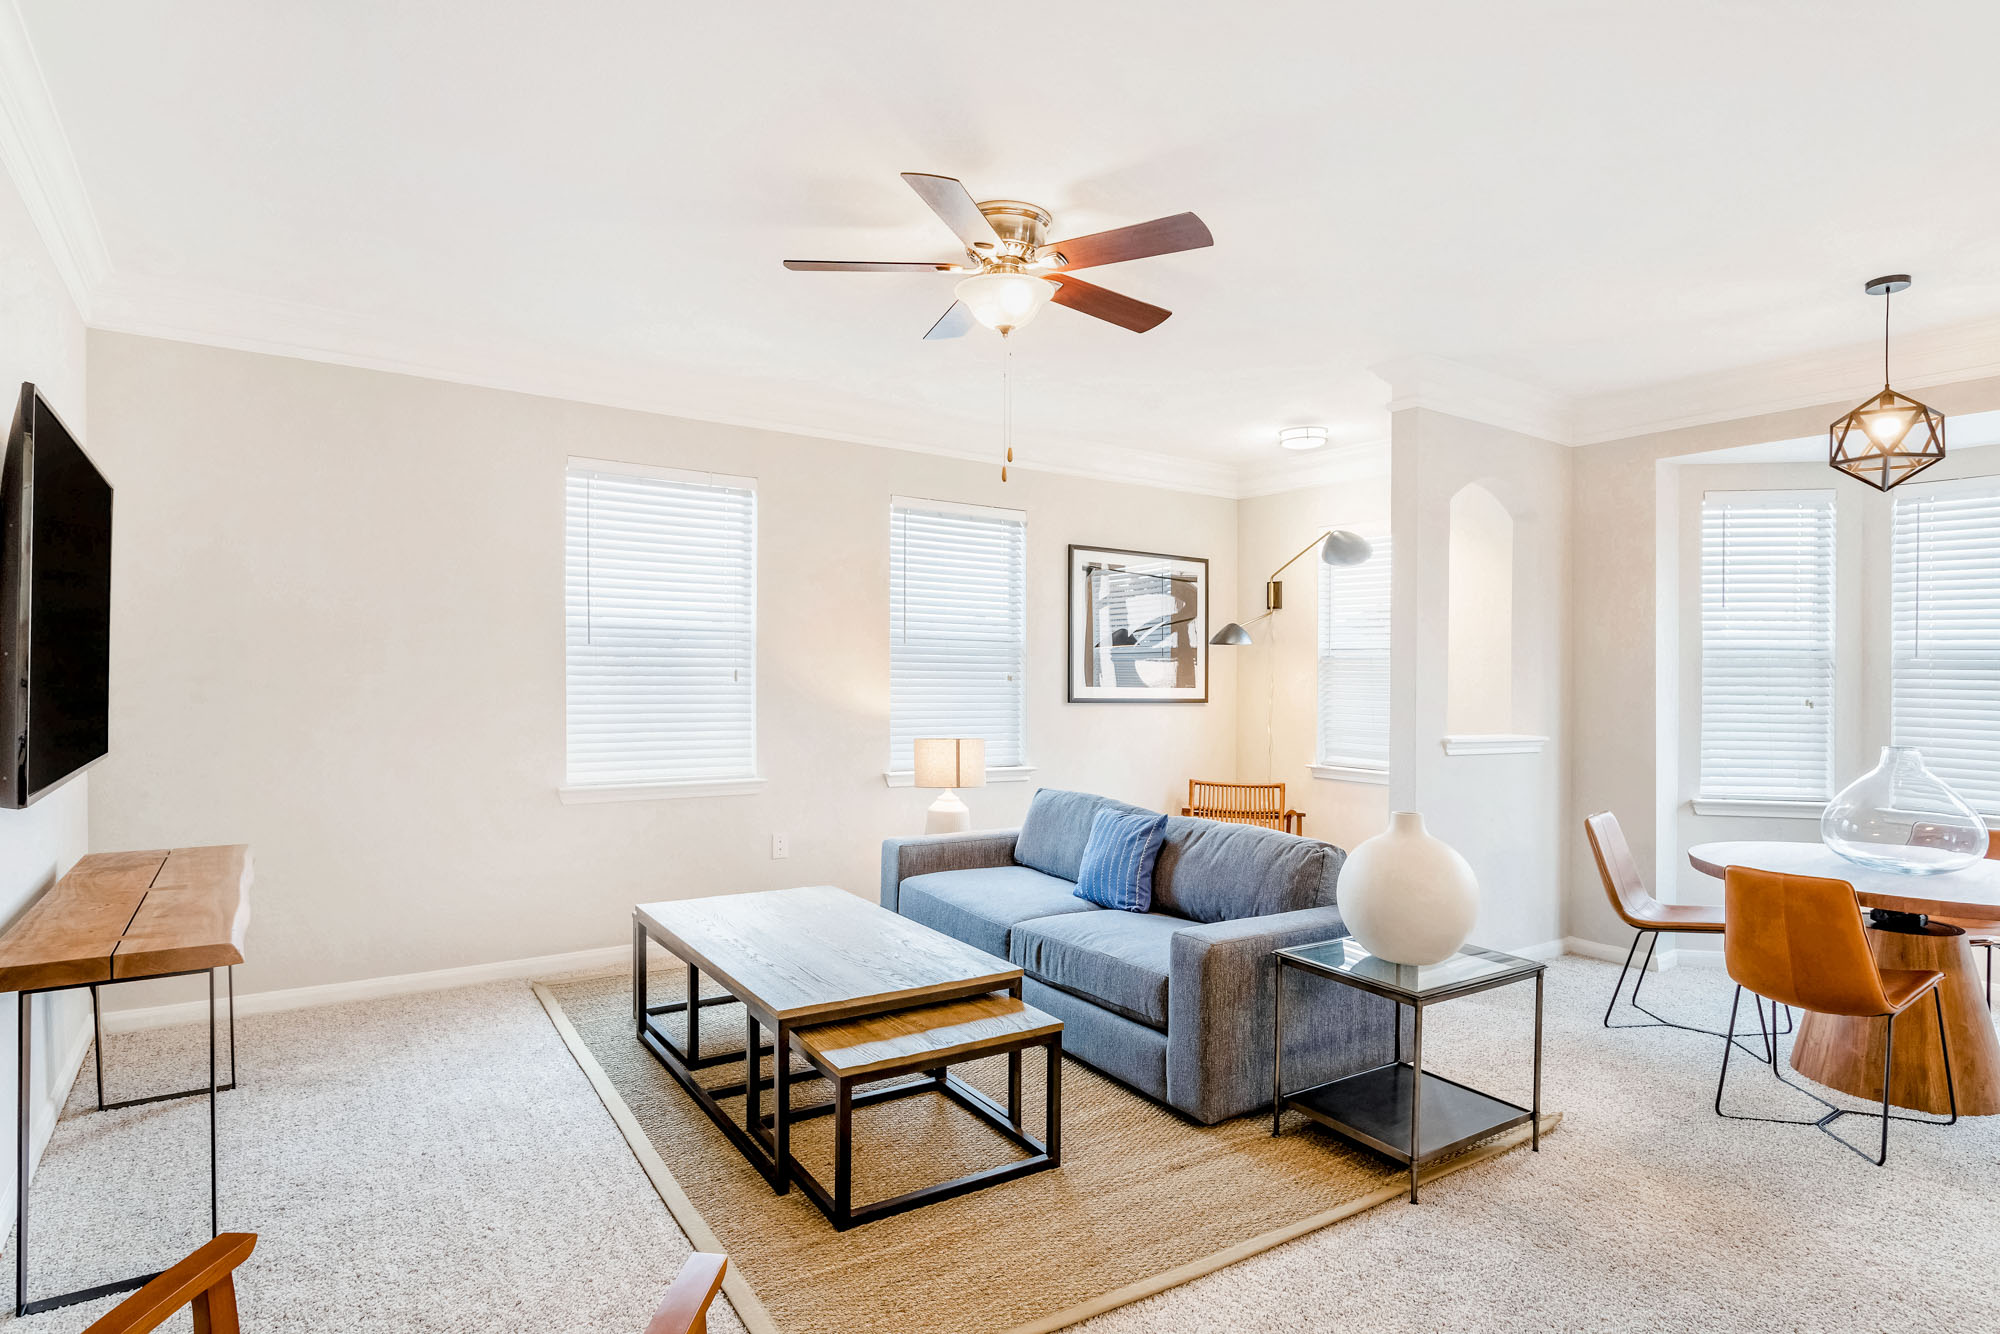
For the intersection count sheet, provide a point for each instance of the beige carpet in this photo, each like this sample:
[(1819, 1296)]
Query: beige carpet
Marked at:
[(1144, 1198)]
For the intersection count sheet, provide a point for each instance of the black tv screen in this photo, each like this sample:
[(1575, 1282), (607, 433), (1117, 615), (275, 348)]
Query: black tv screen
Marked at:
[(55, 604)]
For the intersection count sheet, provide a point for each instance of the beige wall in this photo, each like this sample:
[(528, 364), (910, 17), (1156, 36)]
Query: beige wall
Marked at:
[(1623, 522), (1278, 700), (41, 340), (338, 637)]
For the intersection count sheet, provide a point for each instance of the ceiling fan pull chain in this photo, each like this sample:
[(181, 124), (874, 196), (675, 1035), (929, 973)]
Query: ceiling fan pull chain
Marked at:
[(1006, 401)]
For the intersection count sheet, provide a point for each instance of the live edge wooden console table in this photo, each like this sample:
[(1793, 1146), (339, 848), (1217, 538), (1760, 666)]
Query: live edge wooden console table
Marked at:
[(120, 917)]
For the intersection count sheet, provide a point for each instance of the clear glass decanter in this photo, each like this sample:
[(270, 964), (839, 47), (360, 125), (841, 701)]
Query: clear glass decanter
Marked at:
[(1899, 816)]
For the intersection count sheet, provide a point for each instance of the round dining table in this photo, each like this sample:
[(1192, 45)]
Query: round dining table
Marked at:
[(1846, 1053)]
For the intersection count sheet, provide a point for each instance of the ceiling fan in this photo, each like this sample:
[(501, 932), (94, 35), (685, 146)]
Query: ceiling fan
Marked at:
[(1015, 270)]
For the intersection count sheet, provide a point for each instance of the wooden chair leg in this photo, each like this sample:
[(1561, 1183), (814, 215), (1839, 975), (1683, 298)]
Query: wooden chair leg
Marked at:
[(215, 1310)]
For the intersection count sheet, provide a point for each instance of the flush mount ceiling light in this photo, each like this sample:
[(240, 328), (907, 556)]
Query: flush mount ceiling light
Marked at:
[(1891, 437), (1302, 437)]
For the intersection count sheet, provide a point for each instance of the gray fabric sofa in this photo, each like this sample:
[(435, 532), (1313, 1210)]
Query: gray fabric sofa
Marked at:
[(1176, 1002)]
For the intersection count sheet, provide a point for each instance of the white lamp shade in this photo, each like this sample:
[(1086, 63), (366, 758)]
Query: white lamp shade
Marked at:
[(1005, 301), (951, 762)]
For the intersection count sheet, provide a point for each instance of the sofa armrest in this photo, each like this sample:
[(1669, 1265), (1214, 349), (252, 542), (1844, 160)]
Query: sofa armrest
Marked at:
[(925, 853), (1221, 995)]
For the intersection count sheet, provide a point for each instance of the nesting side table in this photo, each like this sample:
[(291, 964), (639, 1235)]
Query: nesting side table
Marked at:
[(1400, 1109)]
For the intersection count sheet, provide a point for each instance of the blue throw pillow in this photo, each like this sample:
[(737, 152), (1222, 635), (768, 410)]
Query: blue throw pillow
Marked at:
[(1117, 869)]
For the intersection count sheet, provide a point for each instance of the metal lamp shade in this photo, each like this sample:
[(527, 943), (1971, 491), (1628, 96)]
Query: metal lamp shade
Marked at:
[(1231, 635), (1887, 440), (1344, 548), (950, 762)]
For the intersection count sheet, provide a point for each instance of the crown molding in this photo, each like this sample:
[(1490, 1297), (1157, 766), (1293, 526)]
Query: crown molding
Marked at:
[(35, 154), (198, 313), (1321, 467), (1475, 395), (1839, 375)]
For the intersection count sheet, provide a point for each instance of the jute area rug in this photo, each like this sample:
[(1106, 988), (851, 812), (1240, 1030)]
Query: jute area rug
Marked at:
[(1144, 1199)]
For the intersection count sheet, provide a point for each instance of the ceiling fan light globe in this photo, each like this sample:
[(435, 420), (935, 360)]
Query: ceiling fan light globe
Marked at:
[(1005, 302)]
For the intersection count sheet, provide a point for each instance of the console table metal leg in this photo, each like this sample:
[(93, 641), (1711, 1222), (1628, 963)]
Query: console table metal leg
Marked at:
[(214, 1199), (25, 1002), (753, 1075), (1416, 1092), (1535, 1122), (1277, 1045), (638, 978)]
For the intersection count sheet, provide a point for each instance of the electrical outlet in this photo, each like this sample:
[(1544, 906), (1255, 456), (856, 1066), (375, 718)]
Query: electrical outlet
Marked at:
[(781, 846)]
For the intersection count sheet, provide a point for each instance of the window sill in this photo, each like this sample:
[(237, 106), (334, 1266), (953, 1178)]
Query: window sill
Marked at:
[(1337, 771), (722, 787), (1494, 743), (1768, 810), (1017, 773)]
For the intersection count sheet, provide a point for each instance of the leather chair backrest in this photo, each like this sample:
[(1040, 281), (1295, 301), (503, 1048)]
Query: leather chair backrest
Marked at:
[(1615, 867), (1798, 940)]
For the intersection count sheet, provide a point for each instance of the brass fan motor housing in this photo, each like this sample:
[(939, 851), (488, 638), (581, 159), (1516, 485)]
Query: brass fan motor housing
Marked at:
[(1023, 229)]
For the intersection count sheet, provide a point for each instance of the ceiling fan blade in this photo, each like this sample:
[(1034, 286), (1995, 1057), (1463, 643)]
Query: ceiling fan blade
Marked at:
[(1124, 311), (954, 323), (873, 266), (1161, 236), (950, 200)]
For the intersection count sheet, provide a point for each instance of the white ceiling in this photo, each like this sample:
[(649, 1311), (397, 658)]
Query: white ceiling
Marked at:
[(1581, 197)]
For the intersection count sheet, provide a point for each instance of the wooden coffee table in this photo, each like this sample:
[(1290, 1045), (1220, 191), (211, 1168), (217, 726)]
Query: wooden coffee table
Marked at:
[(800, 958)]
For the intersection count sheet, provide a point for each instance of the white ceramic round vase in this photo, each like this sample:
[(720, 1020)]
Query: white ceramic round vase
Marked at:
[(1408, 897)]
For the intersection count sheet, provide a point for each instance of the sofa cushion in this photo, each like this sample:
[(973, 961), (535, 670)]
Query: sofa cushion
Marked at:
[(980, 905), (1117, 869), (1058, 826), (1119, 960), (1209, 871)]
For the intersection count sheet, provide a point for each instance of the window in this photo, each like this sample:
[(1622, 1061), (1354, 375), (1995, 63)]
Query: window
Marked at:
[(1767, 645), (1354, 661), (660, 620), (958, 628), (1945, 633)]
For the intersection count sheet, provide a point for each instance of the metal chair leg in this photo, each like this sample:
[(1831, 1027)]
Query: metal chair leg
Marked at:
[(1636, 937), (1888, 1068), (1641, 979), (1944, 1050), (1729, 1042)]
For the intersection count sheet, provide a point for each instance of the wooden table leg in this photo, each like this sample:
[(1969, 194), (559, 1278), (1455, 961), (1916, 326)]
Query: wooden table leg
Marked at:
[(1846, 1054)]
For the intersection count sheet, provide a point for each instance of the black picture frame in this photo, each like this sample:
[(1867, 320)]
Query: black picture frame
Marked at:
[(1159, 646)]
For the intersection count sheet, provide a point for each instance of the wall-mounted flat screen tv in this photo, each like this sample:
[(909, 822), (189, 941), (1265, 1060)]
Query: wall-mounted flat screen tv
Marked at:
[(55, 605)]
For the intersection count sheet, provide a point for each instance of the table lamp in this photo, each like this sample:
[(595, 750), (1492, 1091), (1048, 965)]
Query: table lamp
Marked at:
[(949, 763)]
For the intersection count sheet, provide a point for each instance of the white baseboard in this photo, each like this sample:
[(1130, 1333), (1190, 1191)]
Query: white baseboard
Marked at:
[(1665, 957), (371, 988)]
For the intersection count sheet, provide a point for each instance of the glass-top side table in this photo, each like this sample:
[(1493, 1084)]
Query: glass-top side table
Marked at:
[(1399, 1109)]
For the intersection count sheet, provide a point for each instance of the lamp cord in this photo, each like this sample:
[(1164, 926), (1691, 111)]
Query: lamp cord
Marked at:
[(1887, 297), (1006, 401)]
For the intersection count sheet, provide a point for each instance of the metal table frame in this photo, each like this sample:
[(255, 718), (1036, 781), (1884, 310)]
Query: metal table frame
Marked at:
[(1406, 1153), (838, 1204), (23, 1138), (766, 1139)]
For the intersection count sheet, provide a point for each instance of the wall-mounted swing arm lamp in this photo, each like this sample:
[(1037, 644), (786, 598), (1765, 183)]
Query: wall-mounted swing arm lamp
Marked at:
[(1336, 547)]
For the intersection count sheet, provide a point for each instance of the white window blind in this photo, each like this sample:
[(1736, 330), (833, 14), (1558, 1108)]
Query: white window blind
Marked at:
[(958, 628), (1945, 633), (1354, 660), (660, 596), (1767, 645)]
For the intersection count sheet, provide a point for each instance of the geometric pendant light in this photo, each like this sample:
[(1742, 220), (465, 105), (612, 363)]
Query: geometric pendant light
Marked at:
[(1891, 437)]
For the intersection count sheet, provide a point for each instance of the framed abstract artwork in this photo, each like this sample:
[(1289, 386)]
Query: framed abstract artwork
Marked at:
[(1138, 627)]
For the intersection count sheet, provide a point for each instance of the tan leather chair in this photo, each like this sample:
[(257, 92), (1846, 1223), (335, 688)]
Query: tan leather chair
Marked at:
[(1642, 912), (1798, 940)]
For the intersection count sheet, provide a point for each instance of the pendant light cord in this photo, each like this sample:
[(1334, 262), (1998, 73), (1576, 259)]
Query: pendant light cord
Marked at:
[(1887, 297)]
